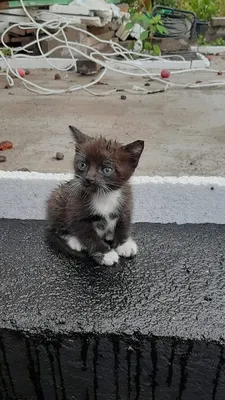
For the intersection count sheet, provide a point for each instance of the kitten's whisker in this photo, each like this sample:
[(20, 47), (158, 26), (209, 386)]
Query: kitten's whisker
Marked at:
[(76, 186)]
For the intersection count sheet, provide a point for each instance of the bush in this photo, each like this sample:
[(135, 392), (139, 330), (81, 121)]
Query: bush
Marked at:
[(204, 9)]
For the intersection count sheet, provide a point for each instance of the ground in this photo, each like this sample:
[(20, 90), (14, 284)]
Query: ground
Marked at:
[(184, 130)]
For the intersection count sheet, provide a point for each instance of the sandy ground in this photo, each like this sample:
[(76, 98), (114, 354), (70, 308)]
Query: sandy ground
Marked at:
[(184, 130)]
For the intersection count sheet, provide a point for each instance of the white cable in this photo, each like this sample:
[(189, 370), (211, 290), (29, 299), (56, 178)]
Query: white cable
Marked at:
[(104, 59)]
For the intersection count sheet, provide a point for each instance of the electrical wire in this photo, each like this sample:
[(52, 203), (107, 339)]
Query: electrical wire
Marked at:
[(58, 24)]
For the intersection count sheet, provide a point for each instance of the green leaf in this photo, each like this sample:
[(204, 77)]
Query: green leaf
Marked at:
[(156, 19), (153, 30), (165, 30), (147, 46), (144, 35), (135, 17), (156, 49), (142, 17), (129, 26), (161, 29), (138, 18)]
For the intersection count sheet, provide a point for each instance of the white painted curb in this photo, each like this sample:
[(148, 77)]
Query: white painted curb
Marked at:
[(209, 49), (132, 66), (202, 62), (182, 200)]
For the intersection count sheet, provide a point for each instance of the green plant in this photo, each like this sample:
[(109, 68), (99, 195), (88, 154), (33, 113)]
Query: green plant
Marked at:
[(201, 41), (151, 26), (204, 9), (221, 8), (139, 5), (148, 4), (5, 51), (166, 3), (219, 42)]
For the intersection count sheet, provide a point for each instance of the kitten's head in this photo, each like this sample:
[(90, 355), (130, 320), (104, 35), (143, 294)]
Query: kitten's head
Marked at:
[(104, 165)]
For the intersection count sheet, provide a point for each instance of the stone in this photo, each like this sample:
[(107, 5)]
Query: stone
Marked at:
[(171, 44), (2, 159), (124, 7), (103, 36), (57, 77), (87, 67), (99, 30), (59, 156)]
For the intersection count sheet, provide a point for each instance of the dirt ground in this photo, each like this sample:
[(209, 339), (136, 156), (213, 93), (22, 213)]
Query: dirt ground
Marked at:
[(184, 130)]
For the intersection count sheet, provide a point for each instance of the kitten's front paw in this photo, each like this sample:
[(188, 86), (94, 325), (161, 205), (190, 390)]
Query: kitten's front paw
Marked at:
[(127, 249), (110, 258), (74, 243)]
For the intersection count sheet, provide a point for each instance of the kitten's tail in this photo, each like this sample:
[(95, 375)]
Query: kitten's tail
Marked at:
[(59, 244)]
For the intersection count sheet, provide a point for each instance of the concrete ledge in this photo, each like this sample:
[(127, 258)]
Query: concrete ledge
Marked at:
[(209, 49), (157, 199), (218, 21), (202, 62), (149, 328), (63, 63)]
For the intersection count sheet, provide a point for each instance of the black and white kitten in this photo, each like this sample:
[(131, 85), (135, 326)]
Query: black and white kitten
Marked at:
[(92, 212)]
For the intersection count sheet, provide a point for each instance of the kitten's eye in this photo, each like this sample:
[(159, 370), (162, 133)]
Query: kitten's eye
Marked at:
[(107, 171), (82, 165)]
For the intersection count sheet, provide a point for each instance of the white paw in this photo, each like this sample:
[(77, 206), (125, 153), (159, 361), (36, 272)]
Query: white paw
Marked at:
[(74, 243), (110, 258), (127, 249)]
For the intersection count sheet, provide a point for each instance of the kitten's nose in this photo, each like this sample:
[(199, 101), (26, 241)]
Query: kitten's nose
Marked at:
[(89, 180)]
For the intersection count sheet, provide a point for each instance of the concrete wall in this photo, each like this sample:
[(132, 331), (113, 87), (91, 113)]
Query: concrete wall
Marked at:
[(111, 368), (164, 200), (151, 328)]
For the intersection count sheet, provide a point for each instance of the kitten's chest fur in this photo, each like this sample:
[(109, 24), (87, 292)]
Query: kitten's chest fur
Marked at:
[(106, 208)]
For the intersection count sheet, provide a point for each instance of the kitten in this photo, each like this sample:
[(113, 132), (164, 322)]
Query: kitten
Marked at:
[(92, 212)]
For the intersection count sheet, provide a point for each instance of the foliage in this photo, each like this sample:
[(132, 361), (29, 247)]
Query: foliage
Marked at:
[(166, 3), (139, 5), (5, 51), (204, 9), (203, 42), (219, 42), (221, 8), (147, 5), (151, 26)]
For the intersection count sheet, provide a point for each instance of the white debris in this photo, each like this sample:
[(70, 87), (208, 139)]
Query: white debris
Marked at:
[(89, 12), (138, 46), (134, 32), (70, 9)]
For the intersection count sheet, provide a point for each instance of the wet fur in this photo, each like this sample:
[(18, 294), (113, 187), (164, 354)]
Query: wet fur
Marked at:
[(70, 209)]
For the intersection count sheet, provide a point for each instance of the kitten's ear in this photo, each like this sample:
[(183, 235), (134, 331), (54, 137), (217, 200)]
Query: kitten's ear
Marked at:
[(78, 135), (135, 149)]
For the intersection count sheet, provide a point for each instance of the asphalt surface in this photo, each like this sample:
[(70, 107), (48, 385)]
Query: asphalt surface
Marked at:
[(174, 287), (183, 129)]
